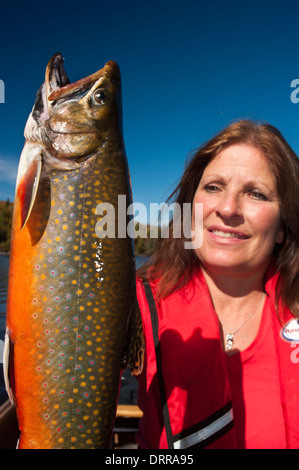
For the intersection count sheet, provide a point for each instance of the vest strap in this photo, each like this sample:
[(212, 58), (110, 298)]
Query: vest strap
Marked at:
[(155, 327), (203, 433)]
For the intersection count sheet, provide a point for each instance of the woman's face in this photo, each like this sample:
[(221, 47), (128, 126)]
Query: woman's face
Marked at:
[(241, 212)]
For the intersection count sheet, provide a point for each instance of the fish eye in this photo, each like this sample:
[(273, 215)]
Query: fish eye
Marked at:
[(99, 96)]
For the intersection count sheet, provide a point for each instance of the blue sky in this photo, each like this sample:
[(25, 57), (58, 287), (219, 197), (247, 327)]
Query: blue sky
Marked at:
[(189, 68)]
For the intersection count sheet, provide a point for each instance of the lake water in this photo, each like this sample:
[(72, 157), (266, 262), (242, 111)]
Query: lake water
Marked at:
[(129, 389)]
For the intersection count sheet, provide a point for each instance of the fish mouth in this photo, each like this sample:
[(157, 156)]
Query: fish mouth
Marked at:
[(62, 109), (58, 84), (56, 77), (60, 90)]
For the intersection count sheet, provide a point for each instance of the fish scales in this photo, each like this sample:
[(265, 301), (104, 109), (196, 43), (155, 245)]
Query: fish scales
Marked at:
[(71, 296), (71, 266)]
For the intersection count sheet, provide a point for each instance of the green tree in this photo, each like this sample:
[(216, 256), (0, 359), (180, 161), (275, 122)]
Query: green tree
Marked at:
[(6, 210), (145, 245)]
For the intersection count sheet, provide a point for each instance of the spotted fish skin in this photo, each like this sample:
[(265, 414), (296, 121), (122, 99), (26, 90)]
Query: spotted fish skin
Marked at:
[(71, 293)]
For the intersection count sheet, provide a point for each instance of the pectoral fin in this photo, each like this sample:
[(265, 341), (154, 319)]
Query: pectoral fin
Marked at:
[(29, 188)]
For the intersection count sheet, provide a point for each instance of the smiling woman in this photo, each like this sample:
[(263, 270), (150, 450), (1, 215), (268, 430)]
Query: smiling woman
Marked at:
[(222, 306), (242, 221)]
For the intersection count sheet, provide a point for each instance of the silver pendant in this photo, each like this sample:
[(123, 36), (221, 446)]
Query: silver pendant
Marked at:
[(229, 341)]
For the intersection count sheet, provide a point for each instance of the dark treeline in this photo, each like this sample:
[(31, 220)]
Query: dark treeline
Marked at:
[(6, 208), (145, 244)]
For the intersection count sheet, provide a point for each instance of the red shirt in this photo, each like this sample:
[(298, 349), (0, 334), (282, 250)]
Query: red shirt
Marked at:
[(254, 379)]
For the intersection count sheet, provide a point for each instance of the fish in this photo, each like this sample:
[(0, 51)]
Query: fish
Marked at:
[(73, 323)]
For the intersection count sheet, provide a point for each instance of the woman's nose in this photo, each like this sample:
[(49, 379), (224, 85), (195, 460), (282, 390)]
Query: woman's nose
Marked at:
[(229, 206)]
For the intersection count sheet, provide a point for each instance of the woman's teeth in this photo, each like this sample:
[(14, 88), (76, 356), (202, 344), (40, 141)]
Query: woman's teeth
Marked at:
[(219, 233)]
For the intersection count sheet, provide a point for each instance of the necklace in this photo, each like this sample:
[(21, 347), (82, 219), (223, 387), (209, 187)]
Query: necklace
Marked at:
[(231, 336)]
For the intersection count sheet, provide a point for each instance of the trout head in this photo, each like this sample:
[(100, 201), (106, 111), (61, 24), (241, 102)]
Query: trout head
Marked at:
[(70, 124), (73, 120)]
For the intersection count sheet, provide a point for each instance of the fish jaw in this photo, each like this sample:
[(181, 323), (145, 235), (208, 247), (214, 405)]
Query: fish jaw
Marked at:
[(55, 78), (110, 70), (86, 114)]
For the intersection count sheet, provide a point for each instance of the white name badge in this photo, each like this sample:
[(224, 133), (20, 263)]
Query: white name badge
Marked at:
[(290, 332)]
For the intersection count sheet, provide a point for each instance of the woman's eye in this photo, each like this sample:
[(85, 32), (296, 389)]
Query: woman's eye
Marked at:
[(99, 96), (211, 188), (258, 195)]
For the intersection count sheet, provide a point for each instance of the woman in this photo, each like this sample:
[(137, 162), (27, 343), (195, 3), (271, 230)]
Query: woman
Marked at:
[(219, 369)]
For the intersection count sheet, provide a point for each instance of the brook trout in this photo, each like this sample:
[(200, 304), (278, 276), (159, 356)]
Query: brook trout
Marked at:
[(71, 310)]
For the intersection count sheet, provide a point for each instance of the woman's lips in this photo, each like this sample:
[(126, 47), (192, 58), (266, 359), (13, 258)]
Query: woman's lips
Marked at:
[(227, 233)]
